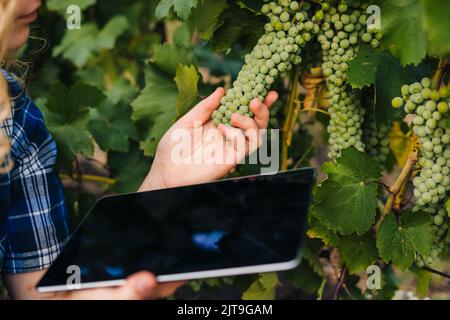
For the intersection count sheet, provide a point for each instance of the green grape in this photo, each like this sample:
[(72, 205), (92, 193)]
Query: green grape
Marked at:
[(376, 138), (287, 32), (432, 184), (340, 37)]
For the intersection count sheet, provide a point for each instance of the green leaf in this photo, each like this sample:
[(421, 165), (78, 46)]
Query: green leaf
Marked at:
[(168, 57), (182, 8), (403, 34), (182, 36), (129, 169), (385, 72), (206, 18), (358, 252), (111, 123), (62, 5), (186, 78), (437, 26), (155, 107), (113, 29), (447, 123), (310, 251), (263, 288), (346, 202), (112, 127), (66, 114), (79, 45), (318, 231), (423, 283), (305, 278), (398, 241), (389, 284), (239, 26)]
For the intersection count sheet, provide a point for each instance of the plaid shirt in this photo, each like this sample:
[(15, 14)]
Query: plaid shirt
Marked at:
[(34, 222)]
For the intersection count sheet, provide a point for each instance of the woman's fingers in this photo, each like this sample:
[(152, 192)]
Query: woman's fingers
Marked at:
[(261, 113), (202, 112), (271, 98), (236, 139), (250, 129)]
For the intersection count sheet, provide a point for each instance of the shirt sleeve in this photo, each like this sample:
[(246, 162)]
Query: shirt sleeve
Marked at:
[(37, 225)]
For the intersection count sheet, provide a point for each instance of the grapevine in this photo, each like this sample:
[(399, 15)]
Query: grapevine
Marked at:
[(277, 51), (429, 107)]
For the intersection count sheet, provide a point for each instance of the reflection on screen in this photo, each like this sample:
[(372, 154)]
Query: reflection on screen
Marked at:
[(227, 224)]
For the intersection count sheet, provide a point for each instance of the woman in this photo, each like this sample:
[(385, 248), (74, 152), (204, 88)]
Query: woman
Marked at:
[(33, 216)]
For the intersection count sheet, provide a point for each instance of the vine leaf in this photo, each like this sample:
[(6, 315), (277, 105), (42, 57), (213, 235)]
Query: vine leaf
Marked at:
[(399, 143), (110, 123), (318, 231), (155, 107), (447, 123), (398, 241), (304, 277), (162, 101), (437, 25), (346, 201), (358, 252), (207, 17), (423, 283), (66, 113), (169, 57), (186, 78), (182, 8), (128, 168), (263, 288), (383, 70), (79, 45), (239, 25), (112, 30), (402, 30)]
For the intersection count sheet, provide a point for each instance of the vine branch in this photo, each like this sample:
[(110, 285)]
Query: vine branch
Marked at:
[(340, 283), (402, 179), (439, 273), (292, 108)]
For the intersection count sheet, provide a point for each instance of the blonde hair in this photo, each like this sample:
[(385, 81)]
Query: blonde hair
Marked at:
[(7, 8)]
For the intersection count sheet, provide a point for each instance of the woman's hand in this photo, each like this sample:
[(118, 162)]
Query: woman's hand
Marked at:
[(140, 286), (195, 151)]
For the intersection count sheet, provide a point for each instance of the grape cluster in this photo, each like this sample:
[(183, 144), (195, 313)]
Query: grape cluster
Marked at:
[(376, 138), (342, 30), (430, 107), (287, 32)]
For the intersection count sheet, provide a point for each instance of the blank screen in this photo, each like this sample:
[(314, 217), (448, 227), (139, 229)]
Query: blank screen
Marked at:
[(226, 224)]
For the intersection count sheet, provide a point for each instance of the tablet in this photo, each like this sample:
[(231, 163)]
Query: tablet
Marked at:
[(231, 227)]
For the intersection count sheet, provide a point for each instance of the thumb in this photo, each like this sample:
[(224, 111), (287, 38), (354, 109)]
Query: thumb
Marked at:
[(202, 112), (139, 286)]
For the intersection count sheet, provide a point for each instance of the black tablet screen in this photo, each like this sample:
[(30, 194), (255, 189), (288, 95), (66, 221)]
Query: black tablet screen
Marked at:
[(226, 224)]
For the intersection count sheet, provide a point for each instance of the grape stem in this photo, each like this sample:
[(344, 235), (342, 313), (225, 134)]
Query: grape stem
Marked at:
[(316, 110), (291, 110), (439, 73), (402, 179), (439, 273), (89, 178), (340, 283)]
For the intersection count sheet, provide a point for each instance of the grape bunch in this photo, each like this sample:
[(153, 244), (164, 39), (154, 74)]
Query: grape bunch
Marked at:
[(287, 32), (342, 30), (376, 138), (432, 184)]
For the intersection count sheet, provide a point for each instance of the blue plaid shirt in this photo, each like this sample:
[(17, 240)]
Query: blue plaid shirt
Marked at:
[(34, 222)]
